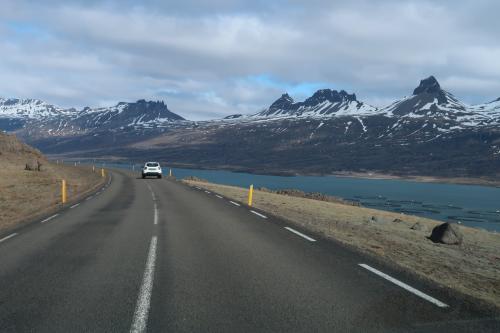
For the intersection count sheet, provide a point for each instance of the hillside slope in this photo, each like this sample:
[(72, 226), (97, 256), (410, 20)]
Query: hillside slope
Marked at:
[(26, 194)]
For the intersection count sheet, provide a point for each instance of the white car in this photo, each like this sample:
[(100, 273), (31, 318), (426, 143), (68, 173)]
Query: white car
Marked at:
[(151, 169)]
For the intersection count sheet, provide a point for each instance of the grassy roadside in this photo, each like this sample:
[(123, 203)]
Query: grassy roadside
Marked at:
[(26, 195), (473, 268)]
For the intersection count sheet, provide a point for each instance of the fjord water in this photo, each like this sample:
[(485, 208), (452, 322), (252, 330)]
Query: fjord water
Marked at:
[(471, 205)]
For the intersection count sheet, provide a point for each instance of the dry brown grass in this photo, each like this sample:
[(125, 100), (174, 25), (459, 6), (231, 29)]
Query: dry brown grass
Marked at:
[(24, 194), (472, 268)]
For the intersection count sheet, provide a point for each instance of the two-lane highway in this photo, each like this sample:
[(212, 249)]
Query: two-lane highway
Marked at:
[(156, 255)]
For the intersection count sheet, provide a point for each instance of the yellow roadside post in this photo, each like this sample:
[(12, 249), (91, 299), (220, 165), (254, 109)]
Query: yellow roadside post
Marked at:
[(170, 173), (63, 191), (250, 195), (93, 168), (102, 172)]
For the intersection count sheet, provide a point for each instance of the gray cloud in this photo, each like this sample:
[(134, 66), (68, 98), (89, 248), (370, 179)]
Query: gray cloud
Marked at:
[(201, 57)]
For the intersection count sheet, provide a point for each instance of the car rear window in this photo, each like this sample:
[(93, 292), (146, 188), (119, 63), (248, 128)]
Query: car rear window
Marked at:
[(152, 164)]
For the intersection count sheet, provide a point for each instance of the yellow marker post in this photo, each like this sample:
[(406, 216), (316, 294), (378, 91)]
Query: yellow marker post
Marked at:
[(250, 195), (63, 191), (93, 168), (170, 173), (102, 172)]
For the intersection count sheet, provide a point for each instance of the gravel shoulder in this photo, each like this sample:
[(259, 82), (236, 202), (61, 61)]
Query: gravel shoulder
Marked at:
[(472, 268)]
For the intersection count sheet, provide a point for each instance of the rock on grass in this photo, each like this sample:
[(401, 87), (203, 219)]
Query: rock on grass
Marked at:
[(446, 233), (419, 227)]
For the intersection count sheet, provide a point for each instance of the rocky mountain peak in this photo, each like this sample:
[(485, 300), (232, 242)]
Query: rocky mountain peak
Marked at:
[(284, 101), (429, 85), (330, 95)]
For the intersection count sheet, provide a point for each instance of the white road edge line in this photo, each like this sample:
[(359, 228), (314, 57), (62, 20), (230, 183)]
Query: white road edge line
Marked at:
[(144, 300), (7, 237), (405, 286), (208, 192), (75, 205), (258, 214), (218, 196), (234, 203), (156, 215), (89, 198), (49, 218), (300, 234)]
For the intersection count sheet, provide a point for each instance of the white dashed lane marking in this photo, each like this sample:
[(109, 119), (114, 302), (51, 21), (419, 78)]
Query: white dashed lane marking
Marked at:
[(141, 313), (234, 203), (300, 234), (258, 214), (405, 286), (156, 214), (49, 218), (75, 205), (8, 237)]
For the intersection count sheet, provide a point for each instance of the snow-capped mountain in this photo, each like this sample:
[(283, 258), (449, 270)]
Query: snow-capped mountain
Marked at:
[(444, 111), (438, 108), (429, 132), (35, 118), (16, 113), (139, 114), (428, 99), (323, 103), (429, 103), (30, 109)]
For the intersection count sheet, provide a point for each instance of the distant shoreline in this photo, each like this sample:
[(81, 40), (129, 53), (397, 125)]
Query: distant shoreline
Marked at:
[(479, 181), (362, 175), (422, 179)]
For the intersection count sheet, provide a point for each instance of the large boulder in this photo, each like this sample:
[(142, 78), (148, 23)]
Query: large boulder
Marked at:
[(446, 233)]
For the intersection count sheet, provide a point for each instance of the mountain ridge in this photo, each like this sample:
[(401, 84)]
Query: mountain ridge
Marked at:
[(32, 117), (427, 133), (427, 96)]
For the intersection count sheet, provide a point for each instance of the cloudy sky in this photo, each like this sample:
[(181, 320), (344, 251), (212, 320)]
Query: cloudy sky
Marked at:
[(208, 59)]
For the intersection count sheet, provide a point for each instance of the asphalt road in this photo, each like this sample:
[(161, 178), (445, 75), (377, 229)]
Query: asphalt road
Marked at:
[(158, 256)]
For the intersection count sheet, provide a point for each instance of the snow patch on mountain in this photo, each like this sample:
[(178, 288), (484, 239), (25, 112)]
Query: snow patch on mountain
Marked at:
[(29, 109)]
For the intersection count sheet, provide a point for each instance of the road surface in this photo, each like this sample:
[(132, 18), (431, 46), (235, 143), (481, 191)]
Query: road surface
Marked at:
[(159, 256)]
